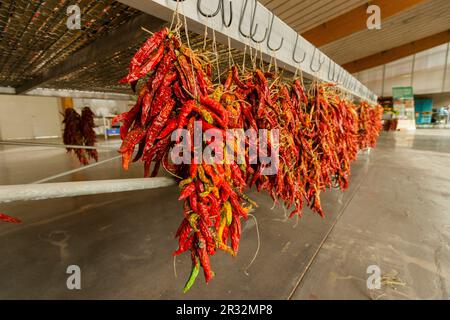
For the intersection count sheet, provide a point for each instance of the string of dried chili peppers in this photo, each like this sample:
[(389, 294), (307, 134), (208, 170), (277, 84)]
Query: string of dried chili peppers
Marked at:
[(87, 129), (73, 135), (175, 92), (79, 131), (6, 218), (319, 136)]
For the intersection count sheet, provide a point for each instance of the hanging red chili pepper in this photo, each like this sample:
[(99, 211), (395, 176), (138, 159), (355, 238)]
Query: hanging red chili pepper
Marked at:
[(6, 218)]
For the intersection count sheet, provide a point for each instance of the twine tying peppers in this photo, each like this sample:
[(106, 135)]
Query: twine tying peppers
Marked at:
[(320, 134)]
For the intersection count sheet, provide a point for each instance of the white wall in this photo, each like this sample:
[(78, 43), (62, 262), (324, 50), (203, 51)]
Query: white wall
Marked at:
[(439, 100), (28, 117), (428, 72), (103, 107)]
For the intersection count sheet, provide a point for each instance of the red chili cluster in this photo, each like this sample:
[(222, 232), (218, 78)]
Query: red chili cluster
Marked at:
[(6, 218), (176, 92), (370, 125), (87, 129), (318, 139), (79, 131)]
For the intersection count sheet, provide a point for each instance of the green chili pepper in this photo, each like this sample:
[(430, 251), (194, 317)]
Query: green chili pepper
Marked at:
[(194, 273), (228, 212)]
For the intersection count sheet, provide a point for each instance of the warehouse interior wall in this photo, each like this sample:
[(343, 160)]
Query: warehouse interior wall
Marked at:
[(428, 72), (439, 100), (29, 117)]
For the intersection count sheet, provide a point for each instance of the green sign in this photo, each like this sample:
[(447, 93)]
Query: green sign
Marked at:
[(403, 93), (404, 102)]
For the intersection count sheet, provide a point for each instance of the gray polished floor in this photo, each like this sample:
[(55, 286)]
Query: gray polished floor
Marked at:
[(396, 215)]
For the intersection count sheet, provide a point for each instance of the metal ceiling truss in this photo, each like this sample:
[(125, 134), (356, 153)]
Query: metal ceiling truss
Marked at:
[(34, 36), (95, 52)]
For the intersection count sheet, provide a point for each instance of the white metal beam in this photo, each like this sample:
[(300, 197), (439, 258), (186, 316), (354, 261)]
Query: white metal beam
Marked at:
[(315, 65), (28, 192), (7, 90), (80, 94), (71, 93)]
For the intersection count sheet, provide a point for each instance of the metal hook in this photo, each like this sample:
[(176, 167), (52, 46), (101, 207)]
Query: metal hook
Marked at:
[(295, 51), (270, 34), (341, 76), (338, 75), (312, 62), (347, 82), (347, 79), (256, 26), (329, 70), (252, 32), (227, 25), (208, 15)]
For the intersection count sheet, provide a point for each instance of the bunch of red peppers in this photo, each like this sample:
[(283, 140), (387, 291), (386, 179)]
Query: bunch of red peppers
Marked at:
[(370, 125), (9, 219), (319, 136), (87, 130), (79, 131)]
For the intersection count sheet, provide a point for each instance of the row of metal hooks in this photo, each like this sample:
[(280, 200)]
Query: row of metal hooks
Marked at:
[(316, 64), (253, 30), (342, 77)]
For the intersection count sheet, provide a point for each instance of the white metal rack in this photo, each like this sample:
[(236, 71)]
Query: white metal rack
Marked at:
[(247, 22)]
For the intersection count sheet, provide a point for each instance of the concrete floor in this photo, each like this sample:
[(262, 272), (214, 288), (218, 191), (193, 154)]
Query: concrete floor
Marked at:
[(396, 215)]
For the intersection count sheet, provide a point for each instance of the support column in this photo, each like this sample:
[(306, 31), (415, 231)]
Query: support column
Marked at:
[(66, 103)]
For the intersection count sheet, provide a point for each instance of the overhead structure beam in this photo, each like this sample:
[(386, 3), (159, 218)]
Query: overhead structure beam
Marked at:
[(399, 52), (251, 26), (354, 20), (115, 41), (7, 90), (62, 93), (80, 94)]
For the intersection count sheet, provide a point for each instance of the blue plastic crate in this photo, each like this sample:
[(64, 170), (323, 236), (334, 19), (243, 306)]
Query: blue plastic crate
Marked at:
[(113, 131)]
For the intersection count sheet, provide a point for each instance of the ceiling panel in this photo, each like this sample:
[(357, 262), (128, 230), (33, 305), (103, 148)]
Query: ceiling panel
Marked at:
[(416, 23), (307, 14)]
